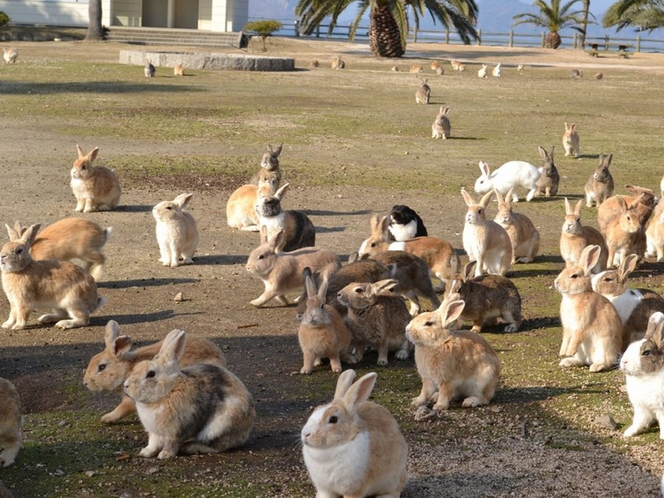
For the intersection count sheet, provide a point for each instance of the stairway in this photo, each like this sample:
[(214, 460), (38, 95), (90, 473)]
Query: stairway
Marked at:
[(166, 36)]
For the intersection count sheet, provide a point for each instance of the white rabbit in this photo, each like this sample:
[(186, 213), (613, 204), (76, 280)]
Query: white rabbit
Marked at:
[(177, 234), (496, 70), (353, 447), (510, 175), (482, 72)]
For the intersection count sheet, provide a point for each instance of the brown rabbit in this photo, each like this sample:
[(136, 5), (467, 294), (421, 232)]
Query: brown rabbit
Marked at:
[(599, 186), (575, 237), (571, 140), (621, 235), (423, 94), (524, 236), (96, 188), (549, 178), (337, 63), (642, 202), (178, 69)]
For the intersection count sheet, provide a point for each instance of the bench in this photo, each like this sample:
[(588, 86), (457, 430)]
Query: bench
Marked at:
[(623, 49)]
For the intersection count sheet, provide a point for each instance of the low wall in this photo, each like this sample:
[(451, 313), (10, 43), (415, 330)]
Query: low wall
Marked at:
[(202, 60)]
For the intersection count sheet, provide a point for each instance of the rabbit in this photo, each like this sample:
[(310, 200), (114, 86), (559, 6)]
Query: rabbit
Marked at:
[(423, 94), (524, 236), (642, 202), (357, 270), (520, 67), (599, 186), (314, 63), (405, 224), (575, 73), (178, 69), (108, 370), (415, 69), (63, 286), (441, 127), (376, 316), (10, 423), (621, 235), (482, 72), (455, 364), (96, 188), (485, 241), (510, 175), (496, 71), (337, 63), (440, 71), (592, 328), (655, 236), (177, 233), (438, 254), (352, 446), (434, 65), (72, 238), (487, 298), (149, 69), (412, 274), (270, 173), (571, 140), (599, 76), (456, 64), (10, 55), (281, 272), (298, 229), (395, 69), (574, 238), (202, 408), (322, 332), (549, 178), (241, 207), (633, 305), (643, 364)]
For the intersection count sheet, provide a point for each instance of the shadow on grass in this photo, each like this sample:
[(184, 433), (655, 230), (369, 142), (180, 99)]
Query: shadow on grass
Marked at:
[(316, 212), (221, 259), (330, 229), (21, 88), (145, 282), (132, 318), (134, 209)]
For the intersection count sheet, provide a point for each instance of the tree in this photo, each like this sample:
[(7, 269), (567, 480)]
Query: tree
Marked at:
[(95, 30), (554, 17), (584, 22), (389, 19), (644, 15), (263, 28), (4, 18)]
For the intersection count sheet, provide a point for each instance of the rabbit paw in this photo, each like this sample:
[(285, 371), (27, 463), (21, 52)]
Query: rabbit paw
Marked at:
[(511, 328), (306, 371), (148, 452), (166, 454), (402, 354)]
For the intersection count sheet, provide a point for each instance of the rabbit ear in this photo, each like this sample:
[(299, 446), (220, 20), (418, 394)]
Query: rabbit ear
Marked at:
[(655, 329), (182, 200), (20, 229), (452, 311), (92, 155), (608, 160), (359, 392), (344, 382), (121, 345), (499, 196), (578, 208), (111, 333), (542, 152), (81, 154), (384, 286), (13, 234), (469, 271), (484, 168), (28, 237), (353, 256), (384, 223), (568, 207), (322, 290), (628, 265), (553, 150), (621, 203), (173, 346), (310, 286), (589, 258), (277, 240), (279, 194), (468, 198), (508, 197), (486, 198)]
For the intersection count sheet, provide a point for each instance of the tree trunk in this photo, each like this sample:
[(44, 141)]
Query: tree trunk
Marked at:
[(584, 23), (552, 40), (95, 29), (384, 33)]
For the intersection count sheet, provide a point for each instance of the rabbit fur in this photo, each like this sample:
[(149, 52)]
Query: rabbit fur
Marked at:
[(574, 238), (177, 233), (549, 178), (441, 127), (10, 423), (599, 186), (524, 236), (508, 177), (96, 188), (571, 140), (423, 94)]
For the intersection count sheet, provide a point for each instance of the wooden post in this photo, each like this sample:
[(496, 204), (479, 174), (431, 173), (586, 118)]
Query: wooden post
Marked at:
[(318, 31), (447, 36), (543, 39), (511, 39), (415, 35), (479, 36), (638, 42), (574, 41), (606, 43)]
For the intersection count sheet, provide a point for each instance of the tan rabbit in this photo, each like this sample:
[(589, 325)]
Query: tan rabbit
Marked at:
[(322, 332), (455, 364), (270, 173), (440, 71), (337, 63), (96, 188), (376, 316), (395, 69), (441, 127), (10, 55), (482, 72), (10, 423), (575, 237), (282, 272), (549, 178), (108, 370), (60, 285), (599, 186), (642, 202), (485, 241), (352, 446), (314, 63), (72, 238), (655, 235), (571, 140), (524, 236), (438, 254), (423, 94), (456, 64), (592, 329), (177, 233), (178, 70), (621, 236), (198, 409), (487, 298), (633, 305), (434, 65), (415, 69)]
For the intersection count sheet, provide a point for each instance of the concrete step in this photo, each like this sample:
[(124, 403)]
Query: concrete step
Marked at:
[(162, 36)]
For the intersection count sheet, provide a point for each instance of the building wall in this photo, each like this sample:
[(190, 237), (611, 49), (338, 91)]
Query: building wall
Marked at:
[(50, 12), (126, 13)]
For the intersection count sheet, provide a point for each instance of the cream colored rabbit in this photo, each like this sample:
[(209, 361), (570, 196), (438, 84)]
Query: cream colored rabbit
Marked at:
[(177, 233), (96, 188)]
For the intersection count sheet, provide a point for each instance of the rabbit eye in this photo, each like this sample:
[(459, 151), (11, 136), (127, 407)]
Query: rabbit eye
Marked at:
[(479, 211), (358, 290), (102, 367), (646, 353), (19, 250), (261, 256), (169, 207), (150, 374), (578, 220), (333, 419), (322, 306), (575, 276), (428, 324), (373, 244)]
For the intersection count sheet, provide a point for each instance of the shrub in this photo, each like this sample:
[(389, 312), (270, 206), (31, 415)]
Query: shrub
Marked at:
[(264, 28)]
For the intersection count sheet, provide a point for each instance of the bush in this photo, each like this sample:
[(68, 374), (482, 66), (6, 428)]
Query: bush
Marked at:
[(264, 28), (4, 19)]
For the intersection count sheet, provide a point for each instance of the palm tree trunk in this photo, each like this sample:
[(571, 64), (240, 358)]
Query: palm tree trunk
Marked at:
[(584, 23), (94, 21), (384, 33)]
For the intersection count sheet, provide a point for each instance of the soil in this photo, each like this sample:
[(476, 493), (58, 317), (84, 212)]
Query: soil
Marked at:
[(522, 459)]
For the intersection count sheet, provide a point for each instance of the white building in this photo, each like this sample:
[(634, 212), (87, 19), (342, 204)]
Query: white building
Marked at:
[(209, 15)]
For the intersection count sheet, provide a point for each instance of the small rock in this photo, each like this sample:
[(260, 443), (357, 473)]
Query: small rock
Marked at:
[(59, 472), (424, 413), (178, 297), (90, 473), (153, 470), (63, 423), (607, 422)]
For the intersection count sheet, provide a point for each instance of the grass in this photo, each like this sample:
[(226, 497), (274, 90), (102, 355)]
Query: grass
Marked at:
[(358, 129)]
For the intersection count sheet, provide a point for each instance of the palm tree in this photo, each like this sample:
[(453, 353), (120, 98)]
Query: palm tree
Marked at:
[(389, 19), (554, 17), (641, 14)]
